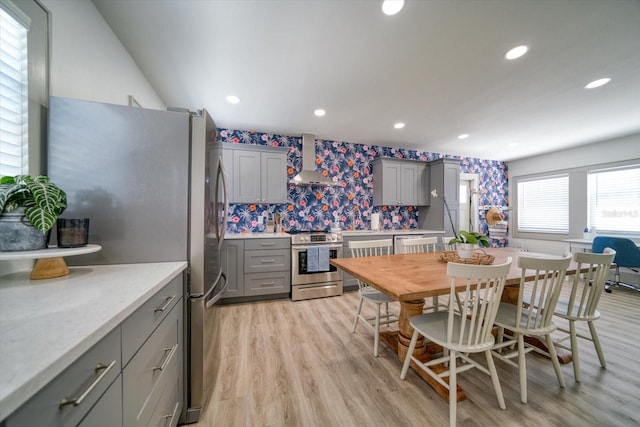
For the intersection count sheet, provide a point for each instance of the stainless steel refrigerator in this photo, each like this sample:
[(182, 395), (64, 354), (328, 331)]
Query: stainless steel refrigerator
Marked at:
[(154, 190)]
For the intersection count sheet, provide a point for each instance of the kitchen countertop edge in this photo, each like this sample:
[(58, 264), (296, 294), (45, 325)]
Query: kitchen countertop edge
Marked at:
[(28, 365), (345, 233)]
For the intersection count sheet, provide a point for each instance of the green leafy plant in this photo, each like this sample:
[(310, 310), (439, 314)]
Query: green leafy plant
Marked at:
[(463, 236), (43, 200), (471, 237)]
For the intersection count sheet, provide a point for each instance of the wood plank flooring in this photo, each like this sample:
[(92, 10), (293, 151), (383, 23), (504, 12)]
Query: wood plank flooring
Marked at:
[(298, 364)]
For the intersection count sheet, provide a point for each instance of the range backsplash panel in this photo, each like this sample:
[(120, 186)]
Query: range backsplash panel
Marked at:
[(351, 201)]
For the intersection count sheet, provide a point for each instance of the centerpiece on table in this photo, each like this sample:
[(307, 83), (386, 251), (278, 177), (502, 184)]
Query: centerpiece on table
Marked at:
[(465, 241), (29, 207)]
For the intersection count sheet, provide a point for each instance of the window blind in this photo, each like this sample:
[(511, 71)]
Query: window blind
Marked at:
[(543, 205), (614, 200), (13, 90)]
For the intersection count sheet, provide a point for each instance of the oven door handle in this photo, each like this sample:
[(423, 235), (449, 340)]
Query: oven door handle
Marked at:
[(299, 248)]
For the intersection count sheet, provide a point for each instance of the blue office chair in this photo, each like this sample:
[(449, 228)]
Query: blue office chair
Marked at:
[(627, 256)]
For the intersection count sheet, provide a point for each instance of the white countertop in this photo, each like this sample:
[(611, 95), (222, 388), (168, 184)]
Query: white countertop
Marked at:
[(398, 232), (45, 325)]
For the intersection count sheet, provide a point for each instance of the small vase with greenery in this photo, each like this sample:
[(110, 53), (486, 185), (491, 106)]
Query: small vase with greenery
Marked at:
[(42, 200), (471, 238)]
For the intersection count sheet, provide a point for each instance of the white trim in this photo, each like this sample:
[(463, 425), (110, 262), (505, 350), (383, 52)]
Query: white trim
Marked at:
[(16, 13)]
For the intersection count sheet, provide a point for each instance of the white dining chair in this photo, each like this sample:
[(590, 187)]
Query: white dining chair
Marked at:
[(446, 245), (462, 332), (532, 319), (369, 294), (421, 245), (582, 304)]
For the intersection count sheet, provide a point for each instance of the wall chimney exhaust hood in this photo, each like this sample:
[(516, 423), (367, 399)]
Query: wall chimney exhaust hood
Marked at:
[(309, 175)]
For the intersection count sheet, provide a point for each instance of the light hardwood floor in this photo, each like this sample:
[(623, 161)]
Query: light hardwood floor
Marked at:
[(298, 364)]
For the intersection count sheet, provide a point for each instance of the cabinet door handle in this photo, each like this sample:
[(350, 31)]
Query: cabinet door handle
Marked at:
[(165, 305), (268, 283), (172, 415), (78, 400), (169, 353), (267, 244), (268, 261)]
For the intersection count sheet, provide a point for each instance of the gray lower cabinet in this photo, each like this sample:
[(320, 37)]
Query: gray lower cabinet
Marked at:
[(257, 267), (79, 390), (152, 338), (232, 259), (132, 377)]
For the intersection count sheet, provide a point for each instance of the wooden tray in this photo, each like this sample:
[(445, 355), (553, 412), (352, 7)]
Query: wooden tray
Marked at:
[(479, 257)]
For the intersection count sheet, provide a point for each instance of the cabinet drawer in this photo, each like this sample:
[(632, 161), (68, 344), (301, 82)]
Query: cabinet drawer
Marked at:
[(106, 413), (85, 380), (264, 261), (267, 283), (137, 327), (169, 406), (254, 244), (151, 368)]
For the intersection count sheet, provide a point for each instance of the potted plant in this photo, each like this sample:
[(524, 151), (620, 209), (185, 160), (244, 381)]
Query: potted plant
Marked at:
[(465, 241), (29, 207)]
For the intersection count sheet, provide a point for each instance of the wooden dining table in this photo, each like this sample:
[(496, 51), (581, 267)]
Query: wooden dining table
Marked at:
[(410, 278)]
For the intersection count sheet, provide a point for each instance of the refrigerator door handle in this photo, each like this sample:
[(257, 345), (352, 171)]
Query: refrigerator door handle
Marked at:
[(214, 299), (223, 175)]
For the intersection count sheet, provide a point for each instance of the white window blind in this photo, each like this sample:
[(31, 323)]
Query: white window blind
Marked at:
[(614, 200), (13, 90), (543, 205)]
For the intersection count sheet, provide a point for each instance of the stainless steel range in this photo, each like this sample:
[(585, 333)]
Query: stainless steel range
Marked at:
[(311, 274)]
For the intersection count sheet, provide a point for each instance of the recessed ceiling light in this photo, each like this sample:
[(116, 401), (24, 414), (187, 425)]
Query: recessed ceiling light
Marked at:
[(398, 125), (232, 99), (319, 112), (391, 7), (463, 136), (516, 52), (598, 83)]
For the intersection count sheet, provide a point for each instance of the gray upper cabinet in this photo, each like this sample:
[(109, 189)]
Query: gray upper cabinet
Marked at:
[(398, 182), (444, 176), (257, 174)]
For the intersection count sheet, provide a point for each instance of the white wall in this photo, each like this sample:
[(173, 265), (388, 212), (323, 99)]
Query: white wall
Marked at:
[(614, 150), (625, 149), (89, 62)]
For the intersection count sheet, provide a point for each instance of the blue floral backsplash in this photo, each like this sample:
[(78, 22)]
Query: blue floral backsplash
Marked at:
[(351, 200)]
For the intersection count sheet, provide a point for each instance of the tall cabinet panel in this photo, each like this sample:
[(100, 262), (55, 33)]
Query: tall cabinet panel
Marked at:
[(444, 176)]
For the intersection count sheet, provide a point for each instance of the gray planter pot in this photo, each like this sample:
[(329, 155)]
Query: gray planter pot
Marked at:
[(17, 233)]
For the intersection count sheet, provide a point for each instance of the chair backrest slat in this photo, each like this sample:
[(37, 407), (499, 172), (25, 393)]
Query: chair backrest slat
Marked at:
[(418, 245), (543, 291), (483, 286), (587, 287), (370, 248)]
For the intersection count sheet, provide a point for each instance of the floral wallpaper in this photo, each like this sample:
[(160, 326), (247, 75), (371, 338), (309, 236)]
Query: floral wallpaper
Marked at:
[(351, 201)]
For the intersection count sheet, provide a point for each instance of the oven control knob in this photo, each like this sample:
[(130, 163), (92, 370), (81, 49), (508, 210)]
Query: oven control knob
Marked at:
[(334, 237), (305, 238)]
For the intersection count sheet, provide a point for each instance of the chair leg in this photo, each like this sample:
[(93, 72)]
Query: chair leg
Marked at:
[(574, 350), (522, 369), (376, 337), (407, 359), (453, 387), (495, 379), (596, 343), (355, 322), (554, 358)]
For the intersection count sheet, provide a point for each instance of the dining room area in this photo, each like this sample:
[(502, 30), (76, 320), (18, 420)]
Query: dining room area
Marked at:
[(302, 364)]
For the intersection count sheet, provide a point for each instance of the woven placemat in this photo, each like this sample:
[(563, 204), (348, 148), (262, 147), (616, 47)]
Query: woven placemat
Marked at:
[(479, 257)]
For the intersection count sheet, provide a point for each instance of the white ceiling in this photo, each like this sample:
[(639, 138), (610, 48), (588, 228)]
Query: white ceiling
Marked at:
[(437, 66)]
